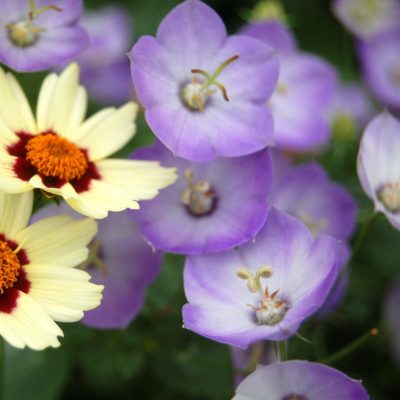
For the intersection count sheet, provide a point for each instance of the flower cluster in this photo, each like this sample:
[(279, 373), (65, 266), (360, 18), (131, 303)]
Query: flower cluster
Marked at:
[(238, 181)]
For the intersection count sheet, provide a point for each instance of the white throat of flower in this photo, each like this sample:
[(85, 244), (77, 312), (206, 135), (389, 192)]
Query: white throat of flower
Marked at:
[(389, 195), (195, 94), (25, 33), (366, 12), (271, 309), (199, 198)]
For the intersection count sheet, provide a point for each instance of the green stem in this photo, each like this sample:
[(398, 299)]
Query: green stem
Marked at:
[(283, 350), (280, 350), (345, 351), (363, 233)]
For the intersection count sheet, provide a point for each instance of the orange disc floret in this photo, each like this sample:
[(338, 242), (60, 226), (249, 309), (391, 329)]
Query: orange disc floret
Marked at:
[(55, 156), (9, 267)]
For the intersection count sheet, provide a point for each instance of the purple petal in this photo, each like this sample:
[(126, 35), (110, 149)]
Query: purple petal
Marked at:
[(46, 52), (306, 192), (303, 271), (306, 83), (380, 59), (192, 31), (273, 33), (168, 225), (133, 265), (300, 379)]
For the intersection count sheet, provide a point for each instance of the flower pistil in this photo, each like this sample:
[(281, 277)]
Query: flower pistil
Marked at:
[(25, 33), (199, 198), (272, 308), (195, 93)]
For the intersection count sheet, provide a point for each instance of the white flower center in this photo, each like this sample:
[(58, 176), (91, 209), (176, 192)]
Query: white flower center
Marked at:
[(271, 309), (389, 195), (195, 94), (199, 198), (23, 33)]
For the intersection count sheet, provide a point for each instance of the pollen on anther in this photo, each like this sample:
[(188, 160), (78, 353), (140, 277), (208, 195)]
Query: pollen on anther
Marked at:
[(54, 156)]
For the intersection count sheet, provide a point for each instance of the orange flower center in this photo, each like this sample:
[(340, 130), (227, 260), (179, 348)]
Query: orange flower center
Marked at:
[(9, 267), (55, 156)]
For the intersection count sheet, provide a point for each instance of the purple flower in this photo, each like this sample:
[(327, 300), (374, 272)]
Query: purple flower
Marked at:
[(378, 165), (299, 380), (122, 261), (392, 318), (41, 34), (380, 59), (204, 93), (367, 19), (351, 109), (288, 275), (104, 66), (327, 208), (306, 88), (211, 207)]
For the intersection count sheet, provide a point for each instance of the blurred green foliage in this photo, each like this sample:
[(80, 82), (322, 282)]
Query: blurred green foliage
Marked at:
[(154, 358)]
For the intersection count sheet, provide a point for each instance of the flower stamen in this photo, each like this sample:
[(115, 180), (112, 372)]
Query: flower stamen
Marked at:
[(195, 94), (199, 198), (25, 33), (272, 308), (9, 267), (55, 156), (389, 195)]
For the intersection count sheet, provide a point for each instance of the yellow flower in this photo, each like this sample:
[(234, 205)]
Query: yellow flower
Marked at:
[(61, 154), (38, 281)]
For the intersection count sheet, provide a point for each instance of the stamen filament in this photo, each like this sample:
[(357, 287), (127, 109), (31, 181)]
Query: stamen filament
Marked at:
[(34, 13), (212, 79)]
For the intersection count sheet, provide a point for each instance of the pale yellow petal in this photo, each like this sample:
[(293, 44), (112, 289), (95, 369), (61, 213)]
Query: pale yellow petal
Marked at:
[(9, 181), (59, 240), (29, 325), (141, 179), (15, 211), (64, 293), (14, 107), (111, 132), (62, 102), (100, 199)]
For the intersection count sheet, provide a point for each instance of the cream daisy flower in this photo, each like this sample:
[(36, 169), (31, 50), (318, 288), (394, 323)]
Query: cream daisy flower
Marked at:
[(61, 154), (38, 284)]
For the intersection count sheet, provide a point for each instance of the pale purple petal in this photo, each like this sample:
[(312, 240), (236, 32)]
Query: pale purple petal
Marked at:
[(378, 162), (300, 379), (132, 266), (380, 60), (60, 42), (167, 224), (193, 32), (300, 105), (273, 33), (220, 305), (306, 192), (367, 20), (192, 37), (47, 53)]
